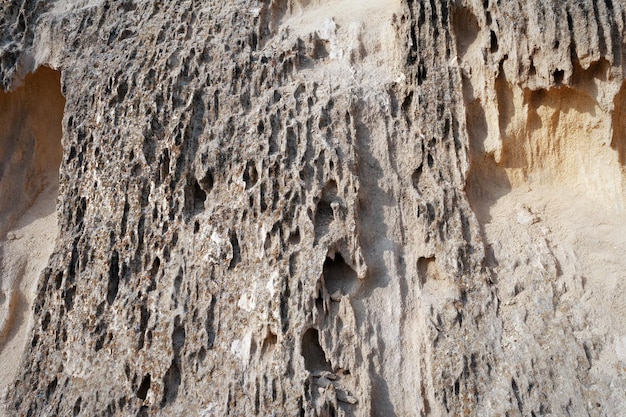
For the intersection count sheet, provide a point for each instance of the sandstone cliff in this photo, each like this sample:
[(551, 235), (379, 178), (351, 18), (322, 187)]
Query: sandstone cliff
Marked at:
[(313, 207)]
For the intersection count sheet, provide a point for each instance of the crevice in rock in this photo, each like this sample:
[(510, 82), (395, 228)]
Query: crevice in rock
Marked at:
[(144, 316), (173, 377), (250, 175), (234, 241), (144, 387), (324, 214), (210, 326), (77, 406), (114, 278), (171, 382), (196, 195)]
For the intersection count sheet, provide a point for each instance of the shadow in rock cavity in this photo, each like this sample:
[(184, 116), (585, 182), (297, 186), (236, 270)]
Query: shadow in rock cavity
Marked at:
[(30, 156)]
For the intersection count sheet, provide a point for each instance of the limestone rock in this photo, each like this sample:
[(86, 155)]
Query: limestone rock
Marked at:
[(312, 207)]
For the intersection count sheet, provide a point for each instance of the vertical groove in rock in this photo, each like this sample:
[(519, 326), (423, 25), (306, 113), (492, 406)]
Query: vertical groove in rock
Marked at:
[(328, 208)]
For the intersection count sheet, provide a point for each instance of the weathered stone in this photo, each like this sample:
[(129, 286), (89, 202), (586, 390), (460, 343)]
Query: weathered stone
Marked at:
[(256, 196)]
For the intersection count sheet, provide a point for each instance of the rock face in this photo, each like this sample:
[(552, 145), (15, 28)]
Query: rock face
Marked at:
[(313, 207)]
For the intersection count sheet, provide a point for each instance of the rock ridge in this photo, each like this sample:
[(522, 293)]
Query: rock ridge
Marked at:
[(314, 207)]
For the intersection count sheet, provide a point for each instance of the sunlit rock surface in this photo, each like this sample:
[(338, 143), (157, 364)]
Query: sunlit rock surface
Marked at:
[(312, 207)]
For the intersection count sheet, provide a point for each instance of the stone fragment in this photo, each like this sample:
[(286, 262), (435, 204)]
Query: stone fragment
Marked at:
[(345, 397)]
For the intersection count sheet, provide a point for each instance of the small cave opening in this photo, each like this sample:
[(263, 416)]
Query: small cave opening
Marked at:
[(339, 276), (558, 75), (31, 117), (312, 352)]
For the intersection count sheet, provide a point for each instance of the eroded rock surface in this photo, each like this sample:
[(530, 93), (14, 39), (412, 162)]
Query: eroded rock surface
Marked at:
[(319, 208)]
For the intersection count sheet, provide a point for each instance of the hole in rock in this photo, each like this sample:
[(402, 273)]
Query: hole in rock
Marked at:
[(466, 29), (144, 316), (156, 264), (234, 242), (312, 352), (164, 167), (558, 77), (324, 214), (195, 196), (250, 175), (77, 405), (206, 183), (142, 392), (171, 382), (30, 155), (493, 43), (45, 321), (418, 183), (339, 276), (294, 238), (30, 144), (202, 354), (199, 196), (114, 278), (427, 269), (269, 343)]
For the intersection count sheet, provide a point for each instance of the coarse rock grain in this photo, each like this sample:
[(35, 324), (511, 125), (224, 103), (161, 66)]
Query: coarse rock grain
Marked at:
[(312, 207)]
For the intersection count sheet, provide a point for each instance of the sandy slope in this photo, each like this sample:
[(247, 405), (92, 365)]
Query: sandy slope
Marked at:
[(558, 256), (24, 253)]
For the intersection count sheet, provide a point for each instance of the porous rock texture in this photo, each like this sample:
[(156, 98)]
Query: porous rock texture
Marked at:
[(313, 207)]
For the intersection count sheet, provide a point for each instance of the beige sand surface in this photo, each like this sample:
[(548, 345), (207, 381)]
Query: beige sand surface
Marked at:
[(24, 253), (30, 154)]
